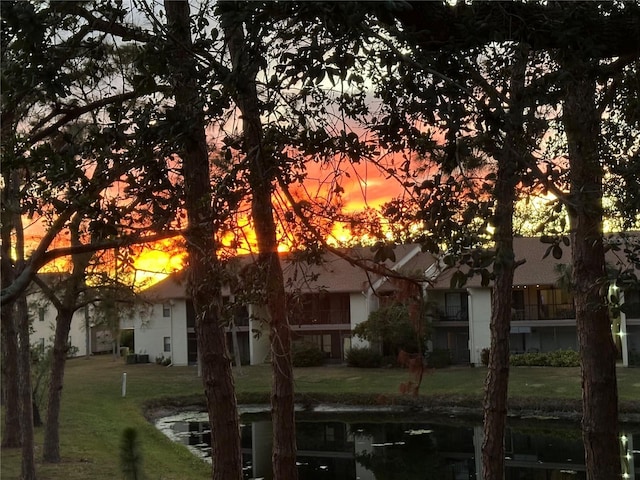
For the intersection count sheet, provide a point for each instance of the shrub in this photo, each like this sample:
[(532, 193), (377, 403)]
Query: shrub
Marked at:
[(558, 358), (306, 354), (364, 357), (394, 326), (484, 356), (389, 361), (164, 361), (130, 454), (439, 358), (564, 358)]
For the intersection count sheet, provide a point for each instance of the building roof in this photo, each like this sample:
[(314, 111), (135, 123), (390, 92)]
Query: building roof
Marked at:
[(337, 275), (332, 274), (536, 270), (173, 286)]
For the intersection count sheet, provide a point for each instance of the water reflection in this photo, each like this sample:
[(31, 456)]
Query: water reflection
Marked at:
[(387, 448)]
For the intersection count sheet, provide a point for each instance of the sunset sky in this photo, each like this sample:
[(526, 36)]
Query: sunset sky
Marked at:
[(364, 187)]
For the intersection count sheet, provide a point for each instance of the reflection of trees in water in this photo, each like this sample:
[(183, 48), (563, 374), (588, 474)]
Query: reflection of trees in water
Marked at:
[(405, 456), (562, 446), (418, 449), (403, 462), (323, 436)]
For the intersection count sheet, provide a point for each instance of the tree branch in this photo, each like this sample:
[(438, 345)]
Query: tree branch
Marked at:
[(75, 113), (367, 265), (48, 292), (40, 258)]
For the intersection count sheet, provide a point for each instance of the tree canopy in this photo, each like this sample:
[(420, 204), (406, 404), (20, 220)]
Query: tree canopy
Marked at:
[(127, 125)]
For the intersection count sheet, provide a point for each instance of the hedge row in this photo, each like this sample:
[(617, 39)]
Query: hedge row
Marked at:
[(558, 358)]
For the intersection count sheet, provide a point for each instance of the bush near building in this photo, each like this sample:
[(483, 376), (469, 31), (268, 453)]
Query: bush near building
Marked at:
[(364, 357), (558, 358), (306, 354)]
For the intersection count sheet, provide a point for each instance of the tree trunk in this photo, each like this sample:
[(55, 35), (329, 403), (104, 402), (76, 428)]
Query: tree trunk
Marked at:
[(497, 381), (51, 446), (37, 419), (204, 278), (24, 385), (12, 229), (11, 430), (71, 293), (597, 349), (262, 174), (11, 436)]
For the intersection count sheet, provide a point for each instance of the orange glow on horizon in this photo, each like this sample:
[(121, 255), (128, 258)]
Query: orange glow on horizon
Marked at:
[(153, 264), (362, 187)]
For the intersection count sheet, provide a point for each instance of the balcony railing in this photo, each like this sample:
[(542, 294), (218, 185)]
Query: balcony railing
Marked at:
[(559, 311), (453, 314), (325, 317)]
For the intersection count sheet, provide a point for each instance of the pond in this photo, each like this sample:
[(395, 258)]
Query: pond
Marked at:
[(386, 446)]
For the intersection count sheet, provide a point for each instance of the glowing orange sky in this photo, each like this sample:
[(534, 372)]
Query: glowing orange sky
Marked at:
[(363, 187), (153, 264)]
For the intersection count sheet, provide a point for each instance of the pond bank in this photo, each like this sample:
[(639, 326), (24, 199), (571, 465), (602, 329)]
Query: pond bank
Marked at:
[(468, 407)]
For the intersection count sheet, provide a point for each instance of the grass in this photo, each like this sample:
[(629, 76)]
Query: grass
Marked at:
[(94, 414)]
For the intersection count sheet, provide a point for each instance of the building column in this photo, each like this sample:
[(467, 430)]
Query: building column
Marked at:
[(259, 347), (479, 323), (360, 305), (619, 324), (624, 339)]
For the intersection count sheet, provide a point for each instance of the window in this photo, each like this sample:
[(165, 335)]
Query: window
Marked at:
[(322, 308), (456, 306), (323, 342), (631, 307), (555, 303), (518, 306), (166, 310), (167, 344), (41, 312), (41, 345)]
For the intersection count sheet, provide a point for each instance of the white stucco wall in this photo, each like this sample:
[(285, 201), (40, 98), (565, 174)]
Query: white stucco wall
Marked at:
[(151, 327), (44, 330), (179, 348), (149, 333), (479, 322), (360, 308)]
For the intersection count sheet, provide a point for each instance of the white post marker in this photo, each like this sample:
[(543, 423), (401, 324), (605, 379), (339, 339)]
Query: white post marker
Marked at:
[(124, 384)]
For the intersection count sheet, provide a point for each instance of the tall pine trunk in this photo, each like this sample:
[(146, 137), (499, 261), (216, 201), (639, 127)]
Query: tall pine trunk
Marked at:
[(261, 178), (497, 381), (11, 428), (12, 230), (597, 349), (24, 385), (11, 436), (204, 268)]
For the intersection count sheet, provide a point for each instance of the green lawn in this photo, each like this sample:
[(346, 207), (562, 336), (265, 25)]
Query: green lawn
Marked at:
[(94, 412)]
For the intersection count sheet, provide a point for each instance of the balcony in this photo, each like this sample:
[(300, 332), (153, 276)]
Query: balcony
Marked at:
[(452, 314), (559, 311)]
